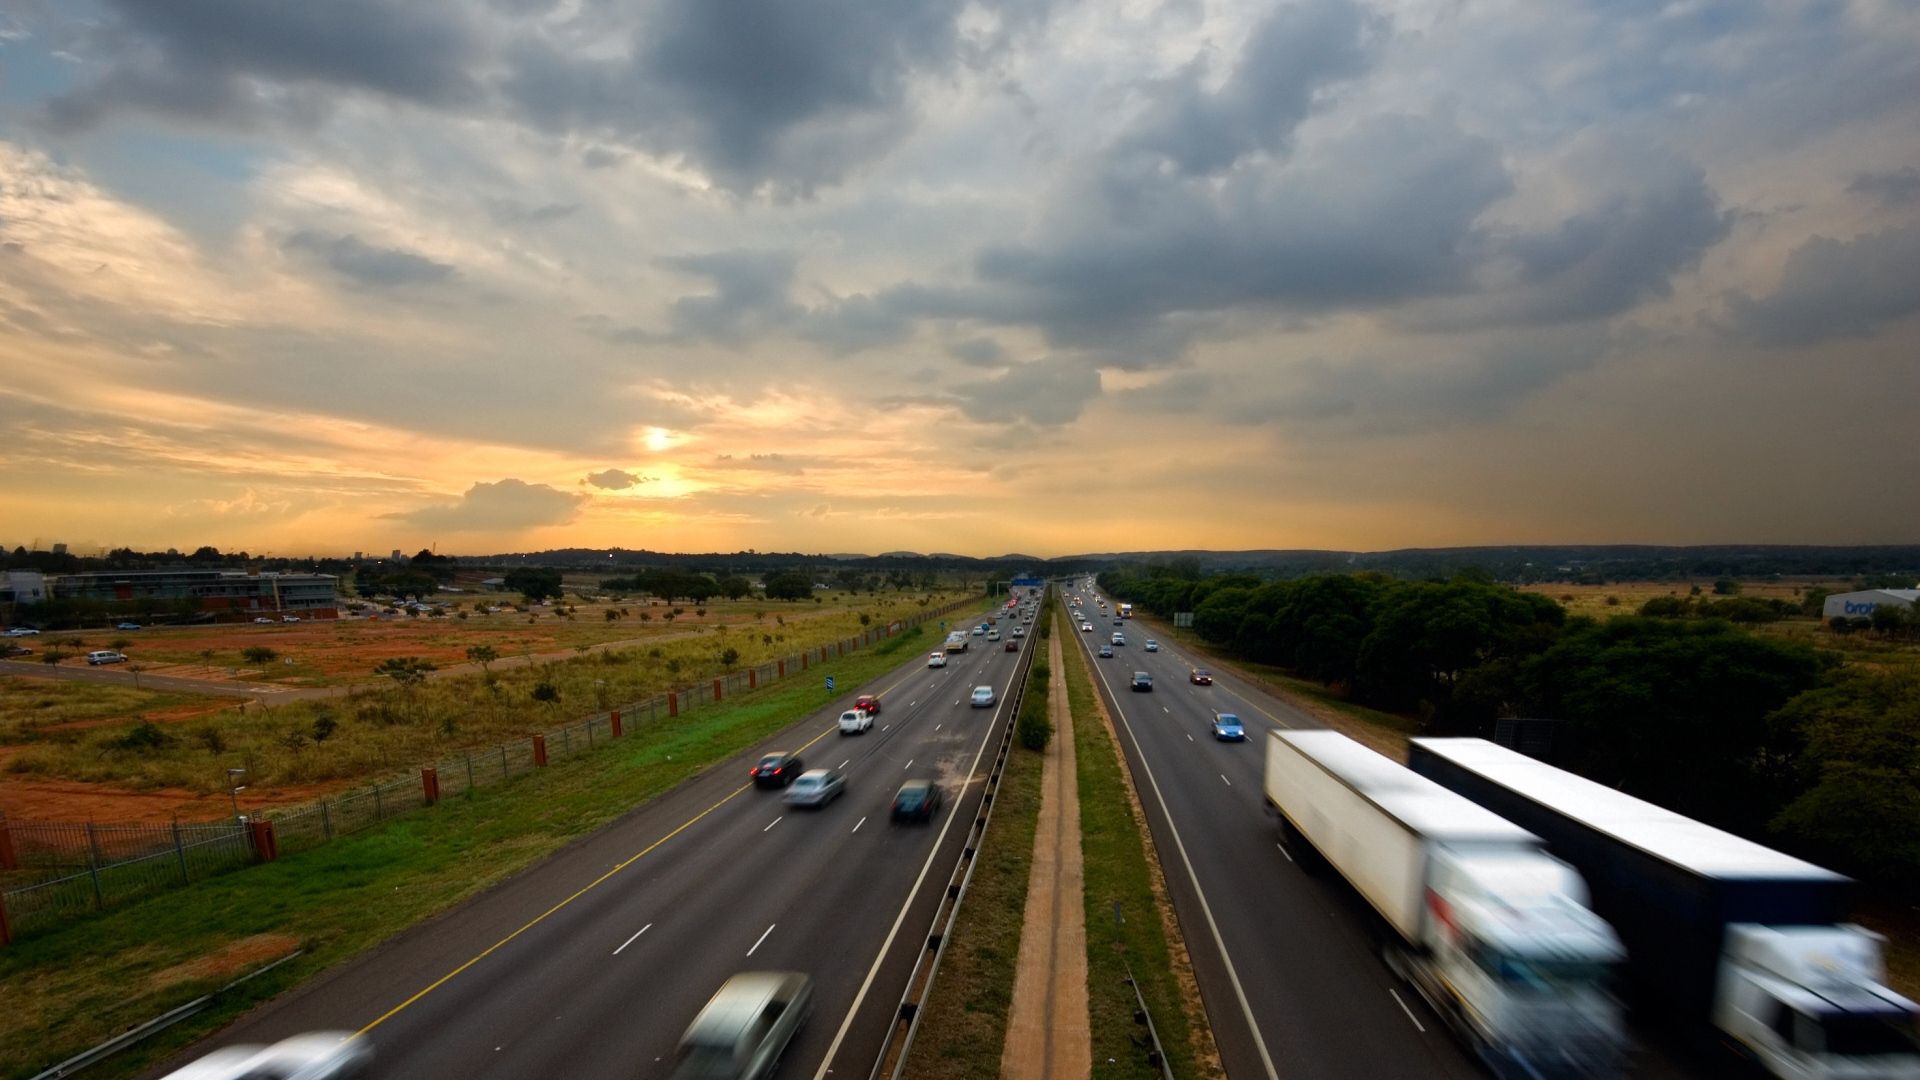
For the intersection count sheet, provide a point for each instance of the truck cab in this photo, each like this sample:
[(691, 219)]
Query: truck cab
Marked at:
[(1810, 1001)]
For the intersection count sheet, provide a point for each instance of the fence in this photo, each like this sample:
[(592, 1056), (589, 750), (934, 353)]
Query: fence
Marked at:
[(53, 871)]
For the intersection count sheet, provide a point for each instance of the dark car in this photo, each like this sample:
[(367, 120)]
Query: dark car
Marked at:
[(869, 704), (1012, 645), (1200, 677), (1143, 680), (918, 800), (777, 768)]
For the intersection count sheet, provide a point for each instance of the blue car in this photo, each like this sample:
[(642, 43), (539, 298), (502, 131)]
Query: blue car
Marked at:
[(1226, 728)]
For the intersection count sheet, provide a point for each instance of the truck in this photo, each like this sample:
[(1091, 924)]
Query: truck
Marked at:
[(1729, 943), (1126, 611), (957, 641), (1493, 932)]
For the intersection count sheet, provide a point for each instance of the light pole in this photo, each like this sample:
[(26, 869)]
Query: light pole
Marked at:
[(235, 790)]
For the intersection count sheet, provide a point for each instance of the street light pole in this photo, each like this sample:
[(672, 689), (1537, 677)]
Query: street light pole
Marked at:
[(233, 794)]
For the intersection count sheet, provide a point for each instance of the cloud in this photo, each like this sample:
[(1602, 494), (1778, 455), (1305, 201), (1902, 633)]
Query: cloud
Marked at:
[(1895, 187), (749, 296), (367, 264), (1047, 393), (1837, 289), (979, 352), (615, 479), (498, 507)]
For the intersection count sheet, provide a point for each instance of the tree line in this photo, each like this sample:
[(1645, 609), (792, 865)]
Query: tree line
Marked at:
[(1762, 736)]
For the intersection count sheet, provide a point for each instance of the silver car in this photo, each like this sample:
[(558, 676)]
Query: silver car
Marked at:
[(816, 787), (742, 1032)]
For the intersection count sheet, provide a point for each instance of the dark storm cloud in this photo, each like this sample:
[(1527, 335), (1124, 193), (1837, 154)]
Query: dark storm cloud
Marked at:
[(505, 505), (1046, 393), (1896, 187), (199, 58), (367, 264), (1837, 289), (1288, 57)]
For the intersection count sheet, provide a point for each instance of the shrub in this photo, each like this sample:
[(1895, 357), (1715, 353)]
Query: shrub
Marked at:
[(324, 726), (546, 691), (145, 735), (258, 654)]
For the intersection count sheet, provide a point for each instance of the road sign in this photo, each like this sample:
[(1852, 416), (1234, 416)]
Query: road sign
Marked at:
[(829, 684), (1182, 618)]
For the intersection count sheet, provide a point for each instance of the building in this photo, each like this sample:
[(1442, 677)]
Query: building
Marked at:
[(22, 587), (1860, 605), (231, 592)]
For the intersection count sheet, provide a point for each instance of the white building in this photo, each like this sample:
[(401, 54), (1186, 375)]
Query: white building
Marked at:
[(1860, 605), (22, 587)]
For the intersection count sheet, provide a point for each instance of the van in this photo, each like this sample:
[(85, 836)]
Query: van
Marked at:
[(744, 1029)]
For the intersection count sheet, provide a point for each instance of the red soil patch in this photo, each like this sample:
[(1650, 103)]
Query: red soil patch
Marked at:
[(31, 799), (174, 715), (229, 962)]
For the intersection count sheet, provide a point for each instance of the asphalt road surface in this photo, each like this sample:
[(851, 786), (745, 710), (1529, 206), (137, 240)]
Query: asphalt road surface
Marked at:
[(1288, 966), (592, 963)]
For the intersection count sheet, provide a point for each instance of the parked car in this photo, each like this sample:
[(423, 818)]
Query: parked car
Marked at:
[(1152, 645), (938, 659), (318, 1055), (868, 703), (1143, 680), (917, 800), (855, 722), (127, 626), (1200, 677), (1106, 652), (982, 697), (816, 787), (1227, 728), (106, 656), (743, 1031), (776, 768)]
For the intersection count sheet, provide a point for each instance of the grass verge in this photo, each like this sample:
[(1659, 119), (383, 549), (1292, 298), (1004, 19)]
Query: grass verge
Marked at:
[(69, 988), (964, 1025), (1118, 878)]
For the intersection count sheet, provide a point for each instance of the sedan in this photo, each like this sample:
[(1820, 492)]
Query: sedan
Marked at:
[(1086, 628), (868, 703), (855, 722), (816, 787), (1106, 652), (128, 626), (1200, 677), (746, 1028), (776, 768), (918, 800), (22, 631), (938, 659), (982, 697), (264, 619), (1227, 728), (1012, 645), (1152, 645)]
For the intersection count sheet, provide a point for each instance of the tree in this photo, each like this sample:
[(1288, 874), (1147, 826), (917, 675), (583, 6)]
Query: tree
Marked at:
[(1861, 808), (483, 655), (789, 585), (258, 654), (1726, 587), (534, 582), (407, 672), (729, 658)]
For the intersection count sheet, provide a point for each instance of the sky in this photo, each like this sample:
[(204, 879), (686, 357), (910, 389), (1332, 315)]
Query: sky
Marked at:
[(977, 276)]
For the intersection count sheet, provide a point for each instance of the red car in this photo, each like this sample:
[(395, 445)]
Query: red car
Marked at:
[(1200, 677), (868, 704), (1013, 645)]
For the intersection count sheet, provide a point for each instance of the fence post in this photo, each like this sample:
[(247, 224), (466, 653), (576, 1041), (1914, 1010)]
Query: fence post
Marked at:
[(783, 668), (803, 659), (469, 774), (613, 722), (379, 805), (753, 678), (8, 860), (716, 689), (589, 732), (673, 703), (539, 751), (430, 784), (326, 821), (264, 844), (5, 934), (93, 870), (503, 762), (180, 851)]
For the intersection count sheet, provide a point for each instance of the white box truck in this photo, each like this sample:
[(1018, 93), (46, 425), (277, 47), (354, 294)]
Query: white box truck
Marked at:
[(1724, 936), (1494, 932)]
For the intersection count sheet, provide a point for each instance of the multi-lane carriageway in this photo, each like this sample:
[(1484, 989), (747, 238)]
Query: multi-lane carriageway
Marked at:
[(592, 963)]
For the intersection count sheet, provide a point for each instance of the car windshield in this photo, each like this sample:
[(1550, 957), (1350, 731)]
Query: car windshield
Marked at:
[(769, 761), (704, 1063), (1869, 1034)]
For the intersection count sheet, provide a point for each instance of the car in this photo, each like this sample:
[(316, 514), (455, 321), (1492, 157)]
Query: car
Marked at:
[(855, 722), (1119, 622), (296, 618), (1119, 638), (917, 800), (938, 659), (816, 787), (106, 656), (1227, 728), (127, 626), (1086, 628), (746, 1027), (1152, 645), (1106, 651), (979, 631), (264, 619), (23, 631), (1019, 631), (993, 635), (8, 649), (316, 1055), (1012, 645), (1200, 677), (982, 697), (776, 768), (1143, 680), (868, 703)]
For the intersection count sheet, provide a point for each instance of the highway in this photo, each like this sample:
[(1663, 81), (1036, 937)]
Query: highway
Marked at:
[(592, 962), (1288, 967)]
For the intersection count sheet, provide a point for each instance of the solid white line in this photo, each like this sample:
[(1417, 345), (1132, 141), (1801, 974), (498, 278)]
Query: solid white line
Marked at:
[(631, 940), (763, 938), (857, 824), (1403, 1008), (1283, 851), (774, 822), (1224, 780)]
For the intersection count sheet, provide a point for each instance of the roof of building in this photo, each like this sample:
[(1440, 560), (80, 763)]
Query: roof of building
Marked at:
[(1909, 595)]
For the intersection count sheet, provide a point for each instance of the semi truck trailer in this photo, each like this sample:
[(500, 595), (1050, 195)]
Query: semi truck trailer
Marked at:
[(1727, 940), (1492, 931)]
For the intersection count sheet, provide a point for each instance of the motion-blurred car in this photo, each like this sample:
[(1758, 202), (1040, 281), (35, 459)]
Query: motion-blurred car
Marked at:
[(23, 631), (263, 619), (868, 703), (982, 697), (855, 722), (1106, 652), (319, 1055), (816, 787), (1227, 728), (1152, 645), (1142, 681), (917, 800), (127, 626), (938, 659), (1200, 677), (744, 1029), (776, 768)]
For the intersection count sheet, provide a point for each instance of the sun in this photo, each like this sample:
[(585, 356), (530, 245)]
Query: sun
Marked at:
[(658, 439)]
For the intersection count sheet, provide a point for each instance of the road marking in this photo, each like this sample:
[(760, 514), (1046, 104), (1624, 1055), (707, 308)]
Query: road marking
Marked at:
[(1189, 738), (1417, 1025), (631, 940), (1283, 851), (857, 824), (770, 926), (1166, 710), (884, 727), (1224, 780), (774, 822), (936, 727), (911, 704), (844, 763), (908, 765)]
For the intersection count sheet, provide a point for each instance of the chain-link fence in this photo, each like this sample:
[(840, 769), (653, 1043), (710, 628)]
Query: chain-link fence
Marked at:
[(50, 871)]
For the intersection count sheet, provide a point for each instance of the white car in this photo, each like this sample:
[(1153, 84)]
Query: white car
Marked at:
[(982, 697), (264, 619), (816, 787), (1119, 639), (938, 659), (23, 631), (289, 618), (319, 1055), (1086, 628), (993, 635), (1152, 645), (1019, 631), (855, 722)]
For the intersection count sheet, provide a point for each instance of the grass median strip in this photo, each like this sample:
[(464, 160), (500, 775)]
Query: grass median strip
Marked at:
[(1120, 879), (70, 988)]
